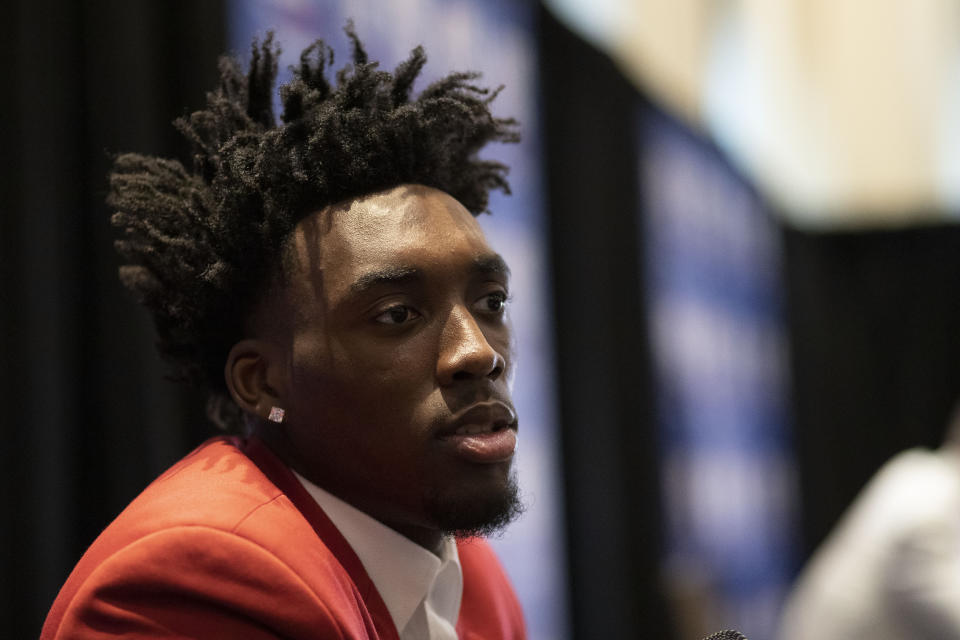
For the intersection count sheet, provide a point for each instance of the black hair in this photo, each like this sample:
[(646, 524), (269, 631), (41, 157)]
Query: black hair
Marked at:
[(198, 245)]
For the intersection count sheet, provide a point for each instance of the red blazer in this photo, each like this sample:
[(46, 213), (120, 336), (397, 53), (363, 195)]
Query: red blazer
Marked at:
[(228, 544)]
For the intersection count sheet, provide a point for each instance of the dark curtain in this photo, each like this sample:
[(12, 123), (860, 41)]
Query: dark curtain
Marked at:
[(88, 419), (875, 334), (589, 118)]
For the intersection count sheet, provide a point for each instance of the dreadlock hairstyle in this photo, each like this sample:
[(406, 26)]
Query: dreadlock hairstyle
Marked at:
[(198, 246)]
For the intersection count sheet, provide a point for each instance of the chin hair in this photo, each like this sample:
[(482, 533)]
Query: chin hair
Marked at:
[(467, 515)]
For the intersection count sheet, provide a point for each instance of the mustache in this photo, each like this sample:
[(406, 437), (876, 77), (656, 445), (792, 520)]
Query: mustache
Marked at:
[(481, 403)]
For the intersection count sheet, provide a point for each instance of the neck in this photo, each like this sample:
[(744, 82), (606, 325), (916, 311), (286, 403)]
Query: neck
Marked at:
[(430, 539)]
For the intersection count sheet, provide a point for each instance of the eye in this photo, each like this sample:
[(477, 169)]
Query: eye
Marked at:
[(494, 303), (397, 315)]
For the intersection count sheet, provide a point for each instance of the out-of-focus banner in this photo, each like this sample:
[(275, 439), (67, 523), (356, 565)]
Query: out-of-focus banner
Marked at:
[(718, 334), (845, 114), (497, 39)]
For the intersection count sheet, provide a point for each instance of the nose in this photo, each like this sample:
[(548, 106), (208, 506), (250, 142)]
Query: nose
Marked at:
[(465, 351)]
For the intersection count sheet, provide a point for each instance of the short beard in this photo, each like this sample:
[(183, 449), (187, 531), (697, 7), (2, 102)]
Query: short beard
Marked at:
[(464, 516)]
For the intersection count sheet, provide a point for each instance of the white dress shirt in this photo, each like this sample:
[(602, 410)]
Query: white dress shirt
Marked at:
[(421, 590)]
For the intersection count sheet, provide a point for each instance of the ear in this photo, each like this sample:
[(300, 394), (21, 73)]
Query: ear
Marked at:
[(254, 376)]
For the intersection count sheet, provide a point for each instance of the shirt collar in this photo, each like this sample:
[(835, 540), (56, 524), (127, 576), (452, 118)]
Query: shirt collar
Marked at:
[(403, 572)]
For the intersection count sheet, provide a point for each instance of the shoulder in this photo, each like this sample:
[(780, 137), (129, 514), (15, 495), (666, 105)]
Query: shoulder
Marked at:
[(197, 581), (889, 502), (894, 555), (215, 487), (490, 608), (212, 548)]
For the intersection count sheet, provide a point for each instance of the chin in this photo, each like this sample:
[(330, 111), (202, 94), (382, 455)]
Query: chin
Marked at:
[(475, 511)]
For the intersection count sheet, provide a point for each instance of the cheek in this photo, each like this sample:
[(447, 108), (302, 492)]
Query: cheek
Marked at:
[(503, 340), (317, 381), (360, 377)]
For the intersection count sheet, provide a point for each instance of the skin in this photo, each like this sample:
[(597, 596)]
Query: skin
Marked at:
[(388, 323)]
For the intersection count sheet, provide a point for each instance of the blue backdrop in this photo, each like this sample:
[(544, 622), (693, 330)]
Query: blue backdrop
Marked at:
[(713, 263)]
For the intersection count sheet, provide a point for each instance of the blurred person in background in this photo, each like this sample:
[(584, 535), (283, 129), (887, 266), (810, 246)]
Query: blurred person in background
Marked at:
[(890, 570), (324, 279)]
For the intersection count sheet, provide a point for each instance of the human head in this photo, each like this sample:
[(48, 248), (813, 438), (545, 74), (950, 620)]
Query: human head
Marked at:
[(387, 343), (203, 248)]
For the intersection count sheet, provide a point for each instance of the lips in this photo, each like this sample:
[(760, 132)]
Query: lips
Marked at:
[(484, 433)]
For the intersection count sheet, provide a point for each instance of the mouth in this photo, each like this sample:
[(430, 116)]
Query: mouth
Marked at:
[(484, 433)]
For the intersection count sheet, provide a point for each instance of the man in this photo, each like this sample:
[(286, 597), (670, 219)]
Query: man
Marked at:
[(890, 570), (326, 281)]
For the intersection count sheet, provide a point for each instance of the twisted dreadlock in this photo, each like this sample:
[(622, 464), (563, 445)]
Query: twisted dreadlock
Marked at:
[(199, 245)]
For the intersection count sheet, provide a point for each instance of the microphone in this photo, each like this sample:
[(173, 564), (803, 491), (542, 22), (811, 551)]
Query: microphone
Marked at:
[(726, 634)]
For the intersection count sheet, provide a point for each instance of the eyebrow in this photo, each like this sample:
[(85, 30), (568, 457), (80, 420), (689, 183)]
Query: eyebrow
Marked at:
[(492, 264), (388, 275)]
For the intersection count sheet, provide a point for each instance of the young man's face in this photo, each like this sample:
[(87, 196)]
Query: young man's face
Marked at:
[(399, 359)]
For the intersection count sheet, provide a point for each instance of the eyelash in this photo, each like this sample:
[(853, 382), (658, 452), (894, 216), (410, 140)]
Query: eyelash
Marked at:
[(502, 296), (397, 307)]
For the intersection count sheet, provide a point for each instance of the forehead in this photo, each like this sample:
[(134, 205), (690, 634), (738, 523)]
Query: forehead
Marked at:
[(410, 226)]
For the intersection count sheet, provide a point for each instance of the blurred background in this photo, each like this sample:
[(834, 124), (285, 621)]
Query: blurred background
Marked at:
[(737, 276)]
